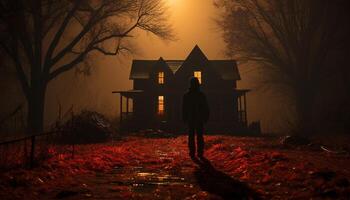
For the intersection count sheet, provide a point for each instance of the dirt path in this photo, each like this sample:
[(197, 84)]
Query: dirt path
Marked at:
[(159, 168), (145, 181), (140, 183)]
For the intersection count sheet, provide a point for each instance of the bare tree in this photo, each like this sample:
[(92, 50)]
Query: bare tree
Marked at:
[(295, 44), (46, 38)]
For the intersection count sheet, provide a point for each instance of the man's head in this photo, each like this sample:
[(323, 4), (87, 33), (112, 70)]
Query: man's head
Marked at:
[(194, 83)]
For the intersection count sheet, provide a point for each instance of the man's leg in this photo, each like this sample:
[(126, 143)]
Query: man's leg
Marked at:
[(191, 144), (200, 140)]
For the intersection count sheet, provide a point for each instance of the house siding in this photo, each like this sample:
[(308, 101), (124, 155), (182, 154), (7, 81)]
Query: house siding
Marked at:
[(221, 94)]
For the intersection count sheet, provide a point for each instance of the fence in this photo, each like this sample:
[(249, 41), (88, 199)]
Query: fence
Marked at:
[(13, 123), (29, 151)]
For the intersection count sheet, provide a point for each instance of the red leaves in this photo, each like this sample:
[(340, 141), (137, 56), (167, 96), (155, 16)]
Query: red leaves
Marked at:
[(240, 152), (264, 169), (267, 178), (277, 156)]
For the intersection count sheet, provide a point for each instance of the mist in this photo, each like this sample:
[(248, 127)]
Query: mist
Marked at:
[(75, 91)]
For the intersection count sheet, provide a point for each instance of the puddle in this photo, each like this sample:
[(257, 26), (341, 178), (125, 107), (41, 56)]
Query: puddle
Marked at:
[(150, 181), (141, 181), (145, 174)]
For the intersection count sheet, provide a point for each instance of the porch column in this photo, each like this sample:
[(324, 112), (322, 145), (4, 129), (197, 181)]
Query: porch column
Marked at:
[(127, 106), (245, 110), (121, 110), (240, 108)]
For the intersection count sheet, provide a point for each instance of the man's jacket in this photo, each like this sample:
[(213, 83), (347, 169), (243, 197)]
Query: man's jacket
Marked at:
[(195, 107)]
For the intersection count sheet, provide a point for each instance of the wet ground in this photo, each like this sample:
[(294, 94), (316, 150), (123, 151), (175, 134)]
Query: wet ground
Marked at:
[(140, 182), (159, 168)]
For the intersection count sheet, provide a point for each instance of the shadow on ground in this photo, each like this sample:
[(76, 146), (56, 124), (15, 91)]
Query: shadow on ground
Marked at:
[(218, 183)]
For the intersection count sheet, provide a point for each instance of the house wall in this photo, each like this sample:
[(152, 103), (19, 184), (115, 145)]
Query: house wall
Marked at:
[(220, 95), (146, 103)]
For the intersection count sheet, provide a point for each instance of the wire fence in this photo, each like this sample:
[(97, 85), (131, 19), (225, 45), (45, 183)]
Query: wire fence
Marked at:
[(31, 150), (12, 123)]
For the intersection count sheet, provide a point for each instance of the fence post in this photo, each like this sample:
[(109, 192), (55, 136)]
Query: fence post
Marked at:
[(32, 152)]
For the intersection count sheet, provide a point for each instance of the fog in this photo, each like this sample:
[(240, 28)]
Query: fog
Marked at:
[(193, 23)]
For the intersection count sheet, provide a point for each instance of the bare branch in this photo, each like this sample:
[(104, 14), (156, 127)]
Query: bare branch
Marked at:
[(117, 50), (58, 35), (68, 66), (14, 55), (76, 40)]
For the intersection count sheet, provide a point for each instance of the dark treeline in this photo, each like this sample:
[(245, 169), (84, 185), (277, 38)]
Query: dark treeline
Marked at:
[(301, 49), (43, 39)]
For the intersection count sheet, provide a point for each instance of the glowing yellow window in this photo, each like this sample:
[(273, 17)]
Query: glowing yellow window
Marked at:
[(160, 105), (198, 74), (161, 77)]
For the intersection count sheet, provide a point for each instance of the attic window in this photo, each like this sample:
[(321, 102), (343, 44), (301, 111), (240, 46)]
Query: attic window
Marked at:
[(161, 77), (160, 105), (198, 75)]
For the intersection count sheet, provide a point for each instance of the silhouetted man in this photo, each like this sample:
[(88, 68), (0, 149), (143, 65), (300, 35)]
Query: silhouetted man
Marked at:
[(195, 113)]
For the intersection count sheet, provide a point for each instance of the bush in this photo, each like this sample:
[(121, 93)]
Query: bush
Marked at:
[(86, 127)]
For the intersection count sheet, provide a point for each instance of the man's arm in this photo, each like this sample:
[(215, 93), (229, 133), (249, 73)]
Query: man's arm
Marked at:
[(185, 109), (206, 110)]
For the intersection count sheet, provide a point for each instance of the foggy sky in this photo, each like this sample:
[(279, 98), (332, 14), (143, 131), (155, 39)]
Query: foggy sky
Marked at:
[(193, 23)]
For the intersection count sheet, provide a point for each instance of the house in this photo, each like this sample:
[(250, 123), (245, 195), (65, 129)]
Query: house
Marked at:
[(159, 85)]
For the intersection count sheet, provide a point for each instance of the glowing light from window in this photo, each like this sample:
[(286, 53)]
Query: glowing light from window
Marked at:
[(198, 75), (160, 105), (161, 77)]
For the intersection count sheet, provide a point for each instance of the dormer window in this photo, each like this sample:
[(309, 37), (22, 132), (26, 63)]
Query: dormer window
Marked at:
[(198, 75), (161, 78)]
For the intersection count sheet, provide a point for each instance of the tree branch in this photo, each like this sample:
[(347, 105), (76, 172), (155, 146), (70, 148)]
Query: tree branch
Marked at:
[(68, 66), (58, 36), (75, 41), (19, 68), (110, 53)]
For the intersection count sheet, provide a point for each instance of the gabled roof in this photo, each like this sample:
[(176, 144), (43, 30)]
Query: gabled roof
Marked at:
[(197, 53), (174, 65), (227, 69), (140, 69)]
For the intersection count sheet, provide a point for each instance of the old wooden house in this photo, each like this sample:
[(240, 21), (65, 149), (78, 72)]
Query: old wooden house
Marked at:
[(159, 85)]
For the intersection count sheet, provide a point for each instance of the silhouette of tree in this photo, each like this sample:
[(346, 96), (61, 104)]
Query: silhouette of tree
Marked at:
[(298, 45), (46, 38)]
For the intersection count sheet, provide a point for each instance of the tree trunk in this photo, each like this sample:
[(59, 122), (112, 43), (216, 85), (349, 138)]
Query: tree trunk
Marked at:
[(36, 105), (304, 112)]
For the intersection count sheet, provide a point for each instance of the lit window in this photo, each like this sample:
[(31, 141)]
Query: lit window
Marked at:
[(160, 105), (161, 77), (198, 75)]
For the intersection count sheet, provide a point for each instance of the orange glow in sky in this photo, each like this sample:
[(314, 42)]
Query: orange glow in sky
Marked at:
[(193, 23)]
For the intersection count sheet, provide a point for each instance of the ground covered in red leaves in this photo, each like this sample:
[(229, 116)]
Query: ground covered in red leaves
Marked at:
[(159, 168)]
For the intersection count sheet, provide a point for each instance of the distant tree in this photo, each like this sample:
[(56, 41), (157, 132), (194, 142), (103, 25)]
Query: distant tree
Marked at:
[(299, 47), (43, 39)]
